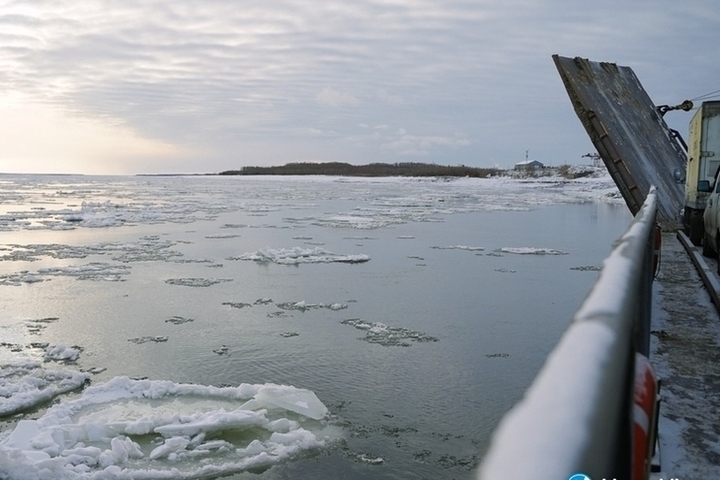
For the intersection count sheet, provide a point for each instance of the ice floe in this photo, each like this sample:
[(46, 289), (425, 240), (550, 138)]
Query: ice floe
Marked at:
[(224, 350), (18, 278), (147, 248), (458, 247), (304, 306), (587, 268), (177, 320), (35, 327), (368, 458), (532, 251), (197, 282), (60, 352), (92, 271), (237, 304), (222, 236), (376, 332), (298, 255), (149, 338), (24, 385), (129, 429), (361, 221)]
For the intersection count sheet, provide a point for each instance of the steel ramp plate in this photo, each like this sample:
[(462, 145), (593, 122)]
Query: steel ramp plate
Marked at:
[(633, 140)]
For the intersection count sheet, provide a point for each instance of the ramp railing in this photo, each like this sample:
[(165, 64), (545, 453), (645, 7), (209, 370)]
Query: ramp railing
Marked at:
[(576, 417)]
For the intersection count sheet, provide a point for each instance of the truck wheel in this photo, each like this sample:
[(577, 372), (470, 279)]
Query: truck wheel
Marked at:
[(707, 249), (697, 227)]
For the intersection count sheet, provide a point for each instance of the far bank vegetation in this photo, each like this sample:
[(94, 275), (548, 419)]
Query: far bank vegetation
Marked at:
[(370, 170)]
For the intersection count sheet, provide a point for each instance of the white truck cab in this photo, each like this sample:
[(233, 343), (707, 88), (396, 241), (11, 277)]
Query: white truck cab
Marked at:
[(702, 167), (701, 182)]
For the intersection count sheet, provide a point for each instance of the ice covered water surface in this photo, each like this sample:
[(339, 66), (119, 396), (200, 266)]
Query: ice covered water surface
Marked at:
[(157, 429), (132, 237), (44, 202)]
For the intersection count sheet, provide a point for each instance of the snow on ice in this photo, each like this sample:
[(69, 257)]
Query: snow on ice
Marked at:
[(458, 247), (196, 282), (26, 384), (128, 429), (304, 306), (385, 335), (60, 352), (301, 305), (298, 255), (532, 251)]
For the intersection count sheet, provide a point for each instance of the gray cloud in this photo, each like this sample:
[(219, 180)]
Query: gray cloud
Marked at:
[(266, 82)]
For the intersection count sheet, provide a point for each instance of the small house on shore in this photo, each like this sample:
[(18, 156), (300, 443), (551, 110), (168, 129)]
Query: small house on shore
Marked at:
[(529, 165)]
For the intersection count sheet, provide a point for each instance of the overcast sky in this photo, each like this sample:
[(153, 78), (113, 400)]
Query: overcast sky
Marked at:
[(147, 86)]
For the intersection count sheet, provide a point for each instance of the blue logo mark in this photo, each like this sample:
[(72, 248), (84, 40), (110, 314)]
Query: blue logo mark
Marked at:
[(579, 476)]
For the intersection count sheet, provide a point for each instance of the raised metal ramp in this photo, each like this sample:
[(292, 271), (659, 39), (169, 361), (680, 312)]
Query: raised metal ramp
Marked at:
[(633, 140)]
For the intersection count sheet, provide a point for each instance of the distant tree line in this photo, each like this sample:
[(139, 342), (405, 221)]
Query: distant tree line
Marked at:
[(408, 169)]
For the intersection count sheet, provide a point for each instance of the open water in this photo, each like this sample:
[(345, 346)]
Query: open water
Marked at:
[(418, 311)]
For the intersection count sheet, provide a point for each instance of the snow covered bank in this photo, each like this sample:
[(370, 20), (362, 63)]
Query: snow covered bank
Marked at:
[(131, 429)]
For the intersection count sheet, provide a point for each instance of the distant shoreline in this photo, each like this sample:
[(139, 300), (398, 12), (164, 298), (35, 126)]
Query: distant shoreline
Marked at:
[(369, 170), (396, 170)]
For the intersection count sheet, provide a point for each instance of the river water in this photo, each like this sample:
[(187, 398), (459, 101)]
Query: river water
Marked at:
[(418, 311)]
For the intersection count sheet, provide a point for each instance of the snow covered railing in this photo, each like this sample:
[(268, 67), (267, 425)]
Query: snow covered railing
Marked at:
[(576, 417)]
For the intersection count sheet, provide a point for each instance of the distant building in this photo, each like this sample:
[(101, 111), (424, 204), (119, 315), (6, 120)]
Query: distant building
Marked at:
[(529, 165)]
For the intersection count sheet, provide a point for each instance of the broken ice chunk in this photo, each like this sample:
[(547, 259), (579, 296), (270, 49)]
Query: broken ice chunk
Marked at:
[(303, 402)]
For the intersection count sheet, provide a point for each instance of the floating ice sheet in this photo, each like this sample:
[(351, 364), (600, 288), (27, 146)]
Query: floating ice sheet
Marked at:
[(60, 352), (304, 306), (128, 429), (147, 248), (298, 255), (301, 305), (91, 271), (532, 251), (197, 282), (23, 385), (376, 332)]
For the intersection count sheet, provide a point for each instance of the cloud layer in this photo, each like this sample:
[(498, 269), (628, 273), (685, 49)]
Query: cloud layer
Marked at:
[(213, 85)]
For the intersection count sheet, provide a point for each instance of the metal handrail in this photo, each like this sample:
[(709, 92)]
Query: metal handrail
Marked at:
[(576, 417)]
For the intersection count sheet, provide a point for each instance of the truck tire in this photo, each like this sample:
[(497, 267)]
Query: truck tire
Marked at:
[(707, 249), (697, 227)]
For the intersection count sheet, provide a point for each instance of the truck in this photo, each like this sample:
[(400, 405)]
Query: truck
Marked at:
[(702, 167)]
